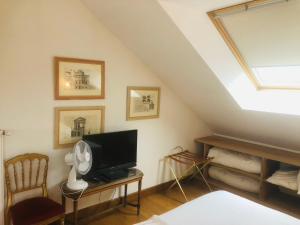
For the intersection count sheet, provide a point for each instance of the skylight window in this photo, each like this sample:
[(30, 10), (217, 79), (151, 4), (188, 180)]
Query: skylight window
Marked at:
[(264, 35), (278, 76)]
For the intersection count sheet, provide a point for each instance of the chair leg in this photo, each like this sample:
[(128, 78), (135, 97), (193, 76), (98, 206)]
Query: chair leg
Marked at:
[(7, 219), (62, 220)]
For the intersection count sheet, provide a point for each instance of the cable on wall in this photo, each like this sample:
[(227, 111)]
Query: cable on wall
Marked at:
[(3, 134)]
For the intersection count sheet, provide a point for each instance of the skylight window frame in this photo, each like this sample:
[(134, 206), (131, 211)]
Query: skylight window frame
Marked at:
[(215, 17)]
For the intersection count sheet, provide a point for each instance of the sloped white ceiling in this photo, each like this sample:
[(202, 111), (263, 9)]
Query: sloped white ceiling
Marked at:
[(148, 30)]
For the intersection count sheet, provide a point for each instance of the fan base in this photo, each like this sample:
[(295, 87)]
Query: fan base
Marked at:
[(77, 185)]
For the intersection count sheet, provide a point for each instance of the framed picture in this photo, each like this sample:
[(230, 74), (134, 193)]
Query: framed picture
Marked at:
[(143, 102), (79, 79), (71, 123)]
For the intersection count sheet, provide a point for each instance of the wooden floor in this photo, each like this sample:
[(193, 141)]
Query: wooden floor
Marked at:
[(154, 204)]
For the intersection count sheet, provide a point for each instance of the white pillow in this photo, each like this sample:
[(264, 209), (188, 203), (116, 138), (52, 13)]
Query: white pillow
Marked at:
[(235, 160), (233, 179), (287, 179)]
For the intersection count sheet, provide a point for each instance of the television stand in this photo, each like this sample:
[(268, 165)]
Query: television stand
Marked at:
[(115, 174), (133, 175)]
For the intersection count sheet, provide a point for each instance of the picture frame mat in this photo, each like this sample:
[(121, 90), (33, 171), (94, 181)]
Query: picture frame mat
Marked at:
[(58, 111), (141, 88), (58, 96)]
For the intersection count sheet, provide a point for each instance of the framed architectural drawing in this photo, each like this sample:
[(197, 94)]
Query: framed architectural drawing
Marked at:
[(79, 79), (71, 123), (143, 102)]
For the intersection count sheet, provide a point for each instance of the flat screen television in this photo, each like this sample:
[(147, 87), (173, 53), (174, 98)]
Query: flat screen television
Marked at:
[(112, 153)]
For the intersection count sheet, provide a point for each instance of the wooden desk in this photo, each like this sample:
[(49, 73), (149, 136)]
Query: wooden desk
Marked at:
[(134, 175)]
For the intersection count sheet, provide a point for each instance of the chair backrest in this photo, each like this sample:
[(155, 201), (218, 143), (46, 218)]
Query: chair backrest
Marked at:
[(24, 173)]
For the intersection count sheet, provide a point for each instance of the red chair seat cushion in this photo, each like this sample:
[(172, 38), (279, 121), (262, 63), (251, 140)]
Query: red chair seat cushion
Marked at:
[(35, 210)]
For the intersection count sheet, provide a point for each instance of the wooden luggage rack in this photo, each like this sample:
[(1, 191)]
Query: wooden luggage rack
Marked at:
[(195, 164)]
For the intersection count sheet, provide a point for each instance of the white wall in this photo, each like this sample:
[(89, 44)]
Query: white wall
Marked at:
[(32, 33), (193, 59)]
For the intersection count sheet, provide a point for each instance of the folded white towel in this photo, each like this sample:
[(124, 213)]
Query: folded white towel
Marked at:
[(287, 179)]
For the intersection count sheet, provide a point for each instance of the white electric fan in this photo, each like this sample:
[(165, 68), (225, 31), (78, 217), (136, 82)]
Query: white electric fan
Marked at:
[(81, 161)]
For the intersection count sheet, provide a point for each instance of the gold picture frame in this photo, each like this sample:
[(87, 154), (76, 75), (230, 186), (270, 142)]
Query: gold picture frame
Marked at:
[(71, 123), (79, 79), (142, 103)]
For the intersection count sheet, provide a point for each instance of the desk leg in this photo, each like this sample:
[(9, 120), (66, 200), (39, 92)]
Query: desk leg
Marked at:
[(125, 195), (139, 197), (75, 212)]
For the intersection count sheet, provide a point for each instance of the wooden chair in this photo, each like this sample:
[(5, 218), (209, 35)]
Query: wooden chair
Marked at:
[(28, 173)]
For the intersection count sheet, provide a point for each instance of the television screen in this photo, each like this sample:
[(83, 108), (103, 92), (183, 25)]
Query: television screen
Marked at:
[(115, 150)]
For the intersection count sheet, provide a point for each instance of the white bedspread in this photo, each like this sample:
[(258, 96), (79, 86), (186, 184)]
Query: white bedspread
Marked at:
[(222, 208)]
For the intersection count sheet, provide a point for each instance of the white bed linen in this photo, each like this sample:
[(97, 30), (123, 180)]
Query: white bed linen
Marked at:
[(222, 208)]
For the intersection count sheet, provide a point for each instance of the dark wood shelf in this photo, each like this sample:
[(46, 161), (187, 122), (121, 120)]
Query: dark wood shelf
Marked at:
[(284, 203), (276, 154)]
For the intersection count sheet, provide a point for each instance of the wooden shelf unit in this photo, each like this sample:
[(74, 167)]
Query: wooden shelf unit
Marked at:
[(270, 158)]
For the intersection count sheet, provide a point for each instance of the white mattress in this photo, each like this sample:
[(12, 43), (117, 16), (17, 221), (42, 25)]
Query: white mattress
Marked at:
[(222, 208)]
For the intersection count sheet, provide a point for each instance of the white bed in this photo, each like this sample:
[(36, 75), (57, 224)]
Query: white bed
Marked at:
[(222, 208)]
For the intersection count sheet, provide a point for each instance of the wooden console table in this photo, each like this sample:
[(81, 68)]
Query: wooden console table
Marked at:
[(134, 175)]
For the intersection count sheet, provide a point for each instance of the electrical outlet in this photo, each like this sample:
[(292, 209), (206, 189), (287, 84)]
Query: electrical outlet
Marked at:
[(7, 133)]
